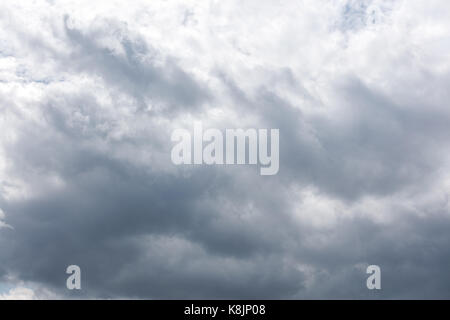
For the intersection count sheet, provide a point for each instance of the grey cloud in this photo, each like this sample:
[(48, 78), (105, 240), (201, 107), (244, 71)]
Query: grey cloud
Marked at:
[(367, 150), (135, 73), (107, 204)]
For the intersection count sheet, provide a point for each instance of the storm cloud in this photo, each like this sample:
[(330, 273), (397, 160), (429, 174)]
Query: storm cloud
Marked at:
[(90, 93)]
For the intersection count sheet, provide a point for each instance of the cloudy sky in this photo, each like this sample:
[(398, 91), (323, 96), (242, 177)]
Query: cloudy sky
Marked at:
[(90, 92)]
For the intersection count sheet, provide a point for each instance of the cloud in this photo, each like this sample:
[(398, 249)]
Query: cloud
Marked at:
[(90, 93), (25, 293), (19, 294), (2, 217)]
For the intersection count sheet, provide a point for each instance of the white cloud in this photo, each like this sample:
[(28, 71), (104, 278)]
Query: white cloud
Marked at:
[(19, 293)]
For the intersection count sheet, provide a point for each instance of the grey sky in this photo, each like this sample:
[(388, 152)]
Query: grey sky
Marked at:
[(91, 91)]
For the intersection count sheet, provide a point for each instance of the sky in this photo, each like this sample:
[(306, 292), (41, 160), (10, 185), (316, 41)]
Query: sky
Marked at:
[(90, 92)]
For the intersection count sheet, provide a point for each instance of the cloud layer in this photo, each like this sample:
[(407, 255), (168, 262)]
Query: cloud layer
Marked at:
[(91, 91)]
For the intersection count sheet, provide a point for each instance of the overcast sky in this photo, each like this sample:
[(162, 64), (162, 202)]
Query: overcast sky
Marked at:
[(90, 92)]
